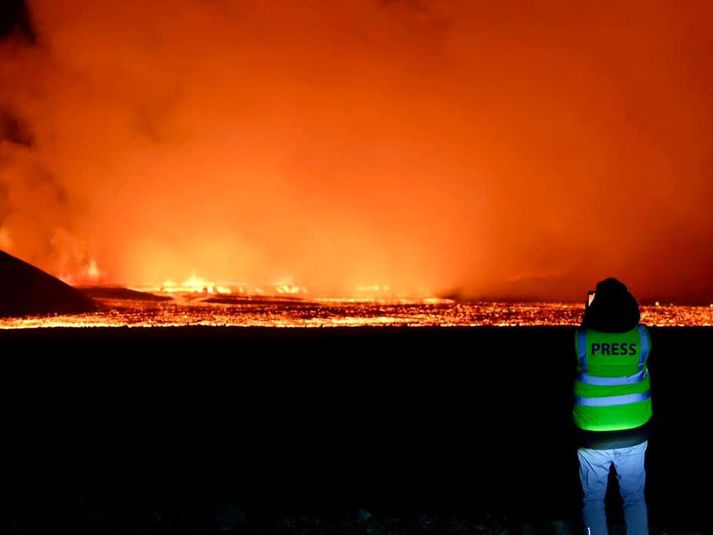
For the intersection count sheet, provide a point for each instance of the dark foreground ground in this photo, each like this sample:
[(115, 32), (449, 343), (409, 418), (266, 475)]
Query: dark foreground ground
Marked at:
[(428, 430)]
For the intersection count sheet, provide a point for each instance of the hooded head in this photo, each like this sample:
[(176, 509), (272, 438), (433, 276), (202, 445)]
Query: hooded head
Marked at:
[(613, 310)]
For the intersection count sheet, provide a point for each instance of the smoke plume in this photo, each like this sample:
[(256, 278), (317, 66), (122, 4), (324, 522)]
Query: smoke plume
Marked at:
[(434, 146)]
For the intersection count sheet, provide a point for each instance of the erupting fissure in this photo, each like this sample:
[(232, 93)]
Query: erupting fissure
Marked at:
[(367, 148)]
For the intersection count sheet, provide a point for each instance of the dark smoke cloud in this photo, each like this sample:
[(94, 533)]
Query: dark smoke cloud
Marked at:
[(15, 20), (13, 129), (434, 146)]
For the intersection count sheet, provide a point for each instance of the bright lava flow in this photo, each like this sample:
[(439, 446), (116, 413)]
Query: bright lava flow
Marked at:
[(192, 310)]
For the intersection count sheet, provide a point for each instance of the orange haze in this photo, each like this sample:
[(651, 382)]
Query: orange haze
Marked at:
[(484, 148)]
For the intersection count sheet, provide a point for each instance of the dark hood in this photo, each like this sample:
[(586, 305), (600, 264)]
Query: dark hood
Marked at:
[(613, 310)]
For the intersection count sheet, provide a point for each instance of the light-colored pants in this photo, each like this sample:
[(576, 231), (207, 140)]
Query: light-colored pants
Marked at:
[(594, 468)]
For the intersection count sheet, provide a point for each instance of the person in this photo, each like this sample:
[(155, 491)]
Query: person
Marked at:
[(612, 406)]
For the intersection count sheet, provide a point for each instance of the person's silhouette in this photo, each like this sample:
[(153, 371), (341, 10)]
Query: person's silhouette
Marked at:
[(612, 407)]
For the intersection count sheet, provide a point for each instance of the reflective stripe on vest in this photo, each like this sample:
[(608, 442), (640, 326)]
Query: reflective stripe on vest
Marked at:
[(612, 400), (644, 347), (613, 381), (582, 349)]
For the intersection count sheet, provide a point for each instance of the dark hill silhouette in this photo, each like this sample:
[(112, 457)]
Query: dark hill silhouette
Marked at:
[(25, 289), (117, 292)]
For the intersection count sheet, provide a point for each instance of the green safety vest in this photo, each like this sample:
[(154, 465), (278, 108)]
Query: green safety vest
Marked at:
[(612, 390)]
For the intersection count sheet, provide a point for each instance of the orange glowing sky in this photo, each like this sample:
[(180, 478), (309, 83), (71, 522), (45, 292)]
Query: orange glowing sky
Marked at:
[(436, 146)]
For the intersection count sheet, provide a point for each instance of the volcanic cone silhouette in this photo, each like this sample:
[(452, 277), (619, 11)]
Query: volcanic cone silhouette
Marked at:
[(25, 289)]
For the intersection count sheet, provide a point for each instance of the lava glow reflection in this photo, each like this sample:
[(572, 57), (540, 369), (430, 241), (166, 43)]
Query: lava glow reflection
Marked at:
[(231, 310)]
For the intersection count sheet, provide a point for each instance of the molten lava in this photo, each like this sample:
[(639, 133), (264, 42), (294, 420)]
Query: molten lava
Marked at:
[(194, 284)]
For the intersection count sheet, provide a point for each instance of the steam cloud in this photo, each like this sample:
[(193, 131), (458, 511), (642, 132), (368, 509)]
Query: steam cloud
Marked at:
[(434, 146)]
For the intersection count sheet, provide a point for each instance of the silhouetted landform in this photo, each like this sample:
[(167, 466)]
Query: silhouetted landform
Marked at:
[(25, 290), (256, 300), (117, 292), (531, 288), (667, 300)]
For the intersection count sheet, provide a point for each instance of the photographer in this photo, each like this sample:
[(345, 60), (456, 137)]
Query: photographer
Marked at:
[(612, 407)]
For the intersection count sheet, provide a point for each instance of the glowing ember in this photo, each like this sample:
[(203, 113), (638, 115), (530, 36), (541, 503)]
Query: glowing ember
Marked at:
[(288, 286), (86, 275), (93, 271), (199, 285), (194, 284)]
